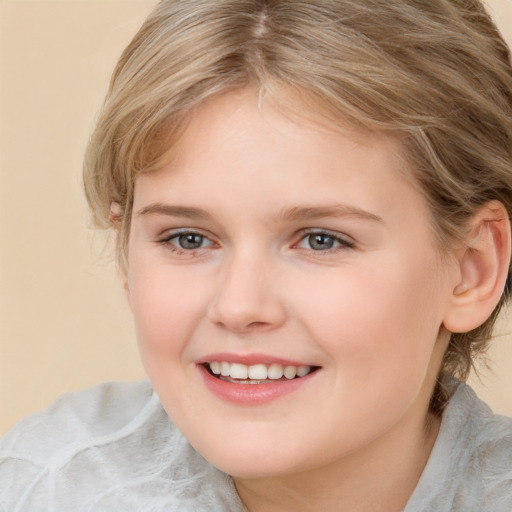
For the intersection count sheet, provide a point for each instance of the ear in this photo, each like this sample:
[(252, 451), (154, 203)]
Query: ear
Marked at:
[(483, 266), (116, 214)]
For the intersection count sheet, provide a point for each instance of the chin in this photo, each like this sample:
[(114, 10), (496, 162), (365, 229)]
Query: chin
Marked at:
[(254, 462), (250, 470)]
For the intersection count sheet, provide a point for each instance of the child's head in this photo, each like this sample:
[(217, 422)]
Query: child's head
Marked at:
[(433, 77)]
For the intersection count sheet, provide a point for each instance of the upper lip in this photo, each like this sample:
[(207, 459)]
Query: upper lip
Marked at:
[(250, 359)]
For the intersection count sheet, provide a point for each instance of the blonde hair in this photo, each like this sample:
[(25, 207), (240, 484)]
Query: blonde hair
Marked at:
[(436, 74)]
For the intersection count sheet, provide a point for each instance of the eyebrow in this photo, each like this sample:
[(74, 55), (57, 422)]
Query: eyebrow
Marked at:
[(316, 212), (174, 211), (295, 213)]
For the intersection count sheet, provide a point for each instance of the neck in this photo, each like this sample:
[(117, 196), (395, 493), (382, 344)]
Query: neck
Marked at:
[(384, 476)]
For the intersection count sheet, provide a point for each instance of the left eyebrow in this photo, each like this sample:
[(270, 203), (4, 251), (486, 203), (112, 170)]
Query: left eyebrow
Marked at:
[(316, 212)]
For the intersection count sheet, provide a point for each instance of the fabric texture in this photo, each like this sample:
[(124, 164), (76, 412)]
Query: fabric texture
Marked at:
[(113, 447)]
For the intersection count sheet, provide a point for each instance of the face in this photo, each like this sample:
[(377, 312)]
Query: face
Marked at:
[(286, 290)]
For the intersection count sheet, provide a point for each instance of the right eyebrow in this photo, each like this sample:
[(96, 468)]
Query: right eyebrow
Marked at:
[(173, 211)]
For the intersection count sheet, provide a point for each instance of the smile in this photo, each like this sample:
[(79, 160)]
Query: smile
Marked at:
[(254, 379), (256, 373)]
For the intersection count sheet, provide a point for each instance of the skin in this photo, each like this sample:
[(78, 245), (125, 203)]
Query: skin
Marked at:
[(368, 311)]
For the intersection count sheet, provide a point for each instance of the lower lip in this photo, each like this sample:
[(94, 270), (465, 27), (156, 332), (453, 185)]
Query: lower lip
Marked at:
[(252, 394)]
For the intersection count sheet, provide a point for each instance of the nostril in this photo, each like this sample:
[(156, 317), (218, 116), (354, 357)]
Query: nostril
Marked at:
[(257, 325)]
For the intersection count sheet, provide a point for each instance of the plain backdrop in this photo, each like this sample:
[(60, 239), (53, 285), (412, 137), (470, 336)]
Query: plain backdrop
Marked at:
[(64, 324)]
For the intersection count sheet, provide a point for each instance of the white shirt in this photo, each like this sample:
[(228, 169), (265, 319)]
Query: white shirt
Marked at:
[(113, 448)]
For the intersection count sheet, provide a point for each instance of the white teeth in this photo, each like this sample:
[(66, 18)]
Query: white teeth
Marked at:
[(290, 372), (257, 372), (302, 371), (239, 371), (225, 369), (275, 371), (215, 367)]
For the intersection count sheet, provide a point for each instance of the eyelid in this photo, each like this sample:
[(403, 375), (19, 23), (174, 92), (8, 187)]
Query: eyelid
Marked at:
[(345, 241), (168, 235)]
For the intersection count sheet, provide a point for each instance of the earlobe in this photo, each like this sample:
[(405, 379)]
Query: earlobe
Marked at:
[(483, 267), (116, 214)]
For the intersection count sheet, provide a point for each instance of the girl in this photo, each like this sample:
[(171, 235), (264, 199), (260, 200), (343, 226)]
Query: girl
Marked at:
[(311, 202)]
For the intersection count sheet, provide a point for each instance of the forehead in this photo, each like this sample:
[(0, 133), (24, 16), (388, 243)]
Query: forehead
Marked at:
[(285, 119), (237, 128)]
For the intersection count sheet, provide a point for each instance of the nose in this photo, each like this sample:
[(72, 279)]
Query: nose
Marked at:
[(248, 297)]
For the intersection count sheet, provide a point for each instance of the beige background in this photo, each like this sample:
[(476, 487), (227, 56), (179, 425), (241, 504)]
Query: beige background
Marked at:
[(64, 324)]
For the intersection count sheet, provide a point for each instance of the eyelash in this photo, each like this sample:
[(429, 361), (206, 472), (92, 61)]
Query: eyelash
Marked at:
[(166, 241), (343, 243)]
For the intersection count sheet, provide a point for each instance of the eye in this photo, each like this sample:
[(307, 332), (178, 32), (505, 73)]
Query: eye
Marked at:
[(190, 240), (187, 241), (320, 241), (324, 241)]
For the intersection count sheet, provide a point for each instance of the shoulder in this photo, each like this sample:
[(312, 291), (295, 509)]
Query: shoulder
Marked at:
[(470, 467), (489, 440), (488, 435), (78, 418), (66, 435), (111, 447)]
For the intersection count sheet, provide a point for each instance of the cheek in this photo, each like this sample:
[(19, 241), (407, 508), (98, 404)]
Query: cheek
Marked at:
[(380, 318), (167, 305)]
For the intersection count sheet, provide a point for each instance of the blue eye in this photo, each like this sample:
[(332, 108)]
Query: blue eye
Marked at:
[(324, 242), (188, 241), (320, 241)]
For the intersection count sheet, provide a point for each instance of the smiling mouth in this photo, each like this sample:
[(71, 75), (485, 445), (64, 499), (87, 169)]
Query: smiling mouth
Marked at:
[(257, 373)]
